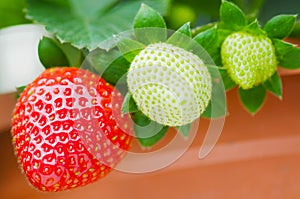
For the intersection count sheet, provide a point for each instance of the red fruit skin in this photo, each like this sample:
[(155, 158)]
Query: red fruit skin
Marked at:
[(68, 129)]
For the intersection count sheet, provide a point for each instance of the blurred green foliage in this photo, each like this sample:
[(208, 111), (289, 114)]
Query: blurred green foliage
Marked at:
[(275, 7), (199, 12), (11, 13), (207, 11)]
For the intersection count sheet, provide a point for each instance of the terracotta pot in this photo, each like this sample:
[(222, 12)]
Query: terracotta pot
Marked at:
[(255, 157)]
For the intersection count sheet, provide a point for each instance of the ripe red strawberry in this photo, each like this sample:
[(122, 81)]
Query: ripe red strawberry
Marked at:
[(68, 129)]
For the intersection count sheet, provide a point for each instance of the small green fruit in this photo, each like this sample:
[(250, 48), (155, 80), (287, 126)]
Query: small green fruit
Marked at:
[(169, 84), (249, 59)]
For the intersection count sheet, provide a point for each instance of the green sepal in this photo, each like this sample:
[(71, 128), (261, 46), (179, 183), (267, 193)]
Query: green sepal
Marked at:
[(147, 131), (181, 36), (115, 73), (149, 26), (227, 81), (184, 130), (280, 26), (110, 65), (252, 99), (19, 89), (216, 110), (140, 119), (147, 17), (150, 141), (185, 29), (206, 38), (274, 85), (130, 48), (223, 34), (288, 55), (254, 28), (209, 40), (50, 54), (232, 16), (129, 105), (217, 105), (296, 30), (74, 55)]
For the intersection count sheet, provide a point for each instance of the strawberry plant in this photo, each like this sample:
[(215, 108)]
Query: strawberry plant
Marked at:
[(71, 126), (249, 54), (171, 80)]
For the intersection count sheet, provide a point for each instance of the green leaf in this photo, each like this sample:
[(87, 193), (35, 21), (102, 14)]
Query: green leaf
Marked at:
[(129, 105), (253, 99), (87, 23), (232, 16), (288, 54), (50, 54), (227, 81), (147, 131), (149, 25), (180, 37), (217, 106), (74, 55), (130, 48), (184, 130), (280, 26), (110, 65), (11, 13), (274, 85)]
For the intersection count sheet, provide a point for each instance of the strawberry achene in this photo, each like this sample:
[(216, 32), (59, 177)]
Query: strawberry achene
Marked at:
[(68, 129)]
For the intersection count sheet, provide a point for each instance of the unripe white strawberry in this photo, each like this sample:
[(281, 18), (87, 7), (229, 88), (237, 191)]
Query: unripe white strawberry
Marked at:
[(249, 59), (170, 85)]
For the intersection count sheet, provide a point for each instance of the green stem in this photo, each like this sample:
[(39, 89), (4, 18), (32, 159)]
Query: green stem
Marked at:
[(202, 28)]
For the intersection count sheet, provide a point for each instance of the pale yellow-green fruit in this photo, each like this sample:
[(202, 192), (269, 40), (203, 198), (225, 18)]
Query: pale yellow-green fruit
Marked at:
[(249, 59), (170, 85)]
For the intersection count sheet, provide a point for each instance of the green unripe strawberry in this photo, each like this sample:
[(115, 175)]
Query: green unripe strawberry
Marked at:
[(249, 59), (169, 84)]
